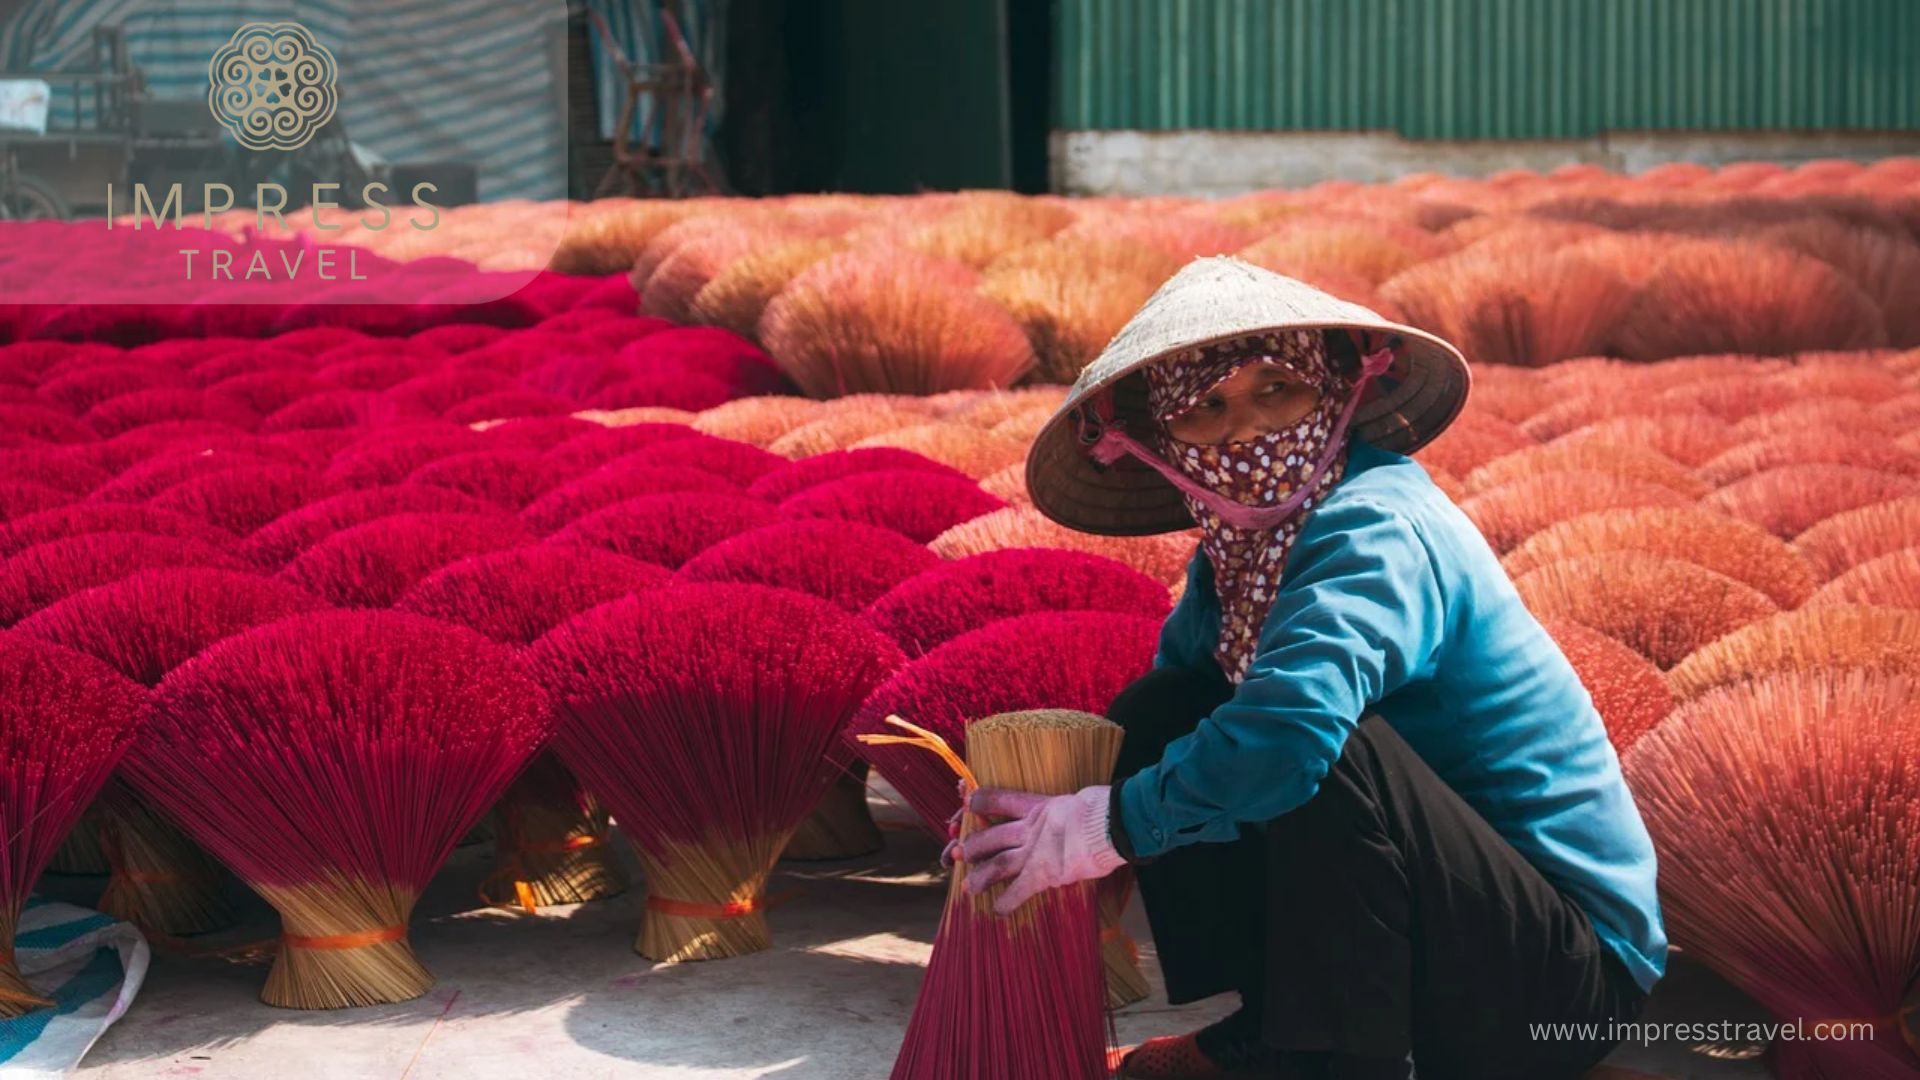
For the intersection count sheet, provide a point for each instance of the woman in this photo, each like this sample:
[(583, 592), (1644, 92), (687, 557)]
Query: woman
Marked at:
[(1361, 787)]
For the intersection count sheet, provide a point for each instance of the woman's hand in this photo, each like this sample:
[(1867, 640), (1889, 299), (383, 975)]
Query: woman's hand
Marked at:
[(1050, 842)]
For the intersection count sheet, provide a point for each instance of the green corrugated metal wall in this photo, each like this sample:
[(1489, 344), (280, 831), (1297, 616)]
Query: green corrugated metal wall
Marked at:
[(1498, 69)]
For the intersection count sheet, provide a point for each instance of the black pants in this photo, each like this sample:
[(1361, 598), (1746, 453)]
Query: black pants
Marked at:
[(1382, 917)]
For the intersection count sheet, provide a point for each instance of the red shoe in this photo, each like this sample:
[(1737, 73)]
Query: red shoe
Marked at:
[(1176, 1057)]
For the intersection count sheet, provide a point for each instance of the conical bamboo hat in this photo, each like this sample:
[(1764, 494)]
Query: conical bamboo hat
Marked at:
[(1213, 300)]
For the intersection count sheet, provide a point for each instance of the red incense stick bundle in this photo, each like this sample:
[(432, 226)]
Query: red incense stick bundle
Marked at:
[(281, 540), (81, 519), (332, 760), (371, 565), (1021, 996), (551, 846), (145, 626), (849, 564), (614, 483), (955, 597), (703, 715), (48, 573), (791, 479), (65, 719), (919, 505), (843, 561), (1067, 659)]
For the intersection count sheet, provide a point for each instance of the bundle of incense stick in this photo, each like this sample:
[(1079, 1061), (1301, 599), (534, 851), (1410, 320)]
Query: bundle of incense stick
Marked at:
[(159, 880), (553, 842), (65, 719), (1021, 996), (552, 835), (840, 826), (144, 626), (703, 715), (1119, 954), (332, 760)]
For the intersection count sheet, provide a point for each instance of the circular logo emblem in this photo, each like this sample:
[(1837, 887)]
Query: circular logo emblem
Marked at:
[(273, 85)]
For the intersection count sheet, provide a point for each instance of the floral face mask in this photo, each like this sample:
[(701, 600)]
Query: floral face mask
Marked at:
[(1265, 472)]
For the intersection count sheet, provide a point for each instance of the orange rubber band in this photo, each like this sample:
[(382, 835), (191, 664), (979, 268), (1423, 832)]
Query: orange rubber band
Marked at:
[(357, 940), (734, 909), (1905, 1020), (574, 844), (1115, 933), (523, 896)]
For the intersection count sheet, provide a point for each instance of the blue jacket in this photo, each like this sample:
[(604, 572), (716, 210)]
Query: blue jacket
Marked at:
[(1392, 603)]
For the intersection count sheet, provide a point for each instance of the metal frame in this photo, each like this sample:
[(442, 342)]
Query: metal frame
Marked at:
[(682, 94)]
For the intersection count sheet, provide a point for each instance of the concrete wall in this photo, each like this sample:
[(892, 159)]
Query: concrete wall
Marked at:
[(1220, 163)]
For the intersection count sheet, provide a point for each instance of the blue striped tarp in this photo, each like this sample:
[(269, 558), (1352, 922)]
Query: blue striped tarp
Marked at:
[(479, 81), (90, 965)]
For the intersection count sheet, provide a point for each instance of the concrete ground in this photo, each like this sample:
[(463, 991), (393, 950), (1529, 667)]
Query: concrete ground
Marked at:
[(562, 995)]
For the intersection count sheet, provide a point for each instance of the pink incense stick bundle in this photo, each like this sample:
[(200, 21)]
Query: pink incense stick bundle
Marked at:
[(792, 479), (849, 564), (144, 626), (65, 720), (843, 561), (508, 477), (592, 449), (371, 565), (279, 541), (130, 411), (738, 462), (1019, 996), (1068, 659), (18, 498), (703, 715), (241, 500), (513, 405), (332, 760), (617, 482), (667, 530), (919, 505), (551, 840), (47, 573), (387, 456), (955, 597), (264, 391), (685, 390)]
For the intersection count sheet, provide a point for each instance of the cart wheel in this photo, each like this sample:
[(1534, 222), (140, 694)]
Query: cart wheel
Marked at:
[(29, 199)]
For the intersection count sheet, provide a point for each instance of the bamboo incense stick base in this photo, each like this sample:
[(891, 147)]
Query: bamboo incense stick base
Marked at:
[(839, 827), (1020, 996), (704, 903), (1119, 956), (162, 882), (16, 997), (80, 854), (341, 948), (553, 842)]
